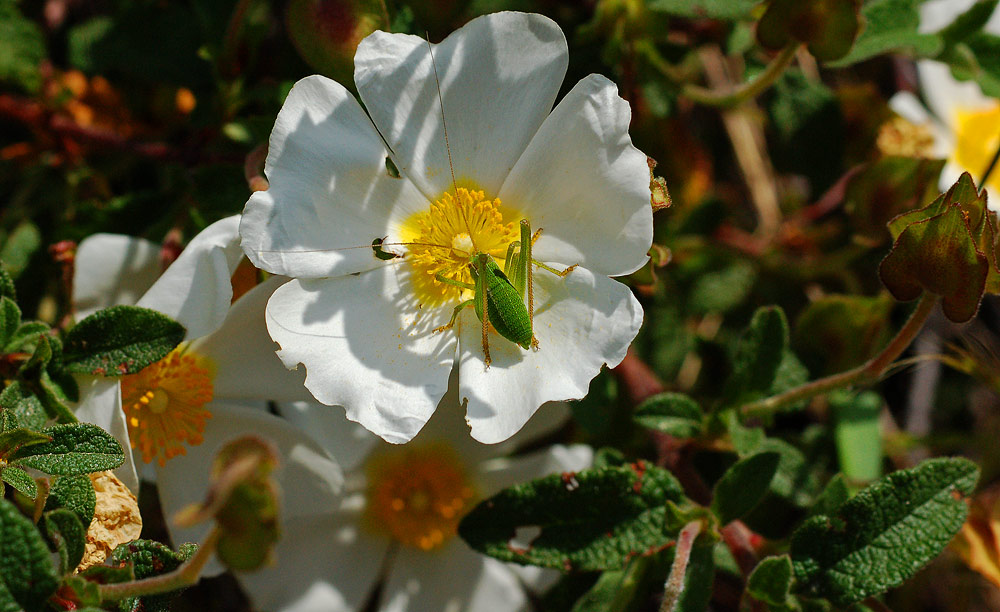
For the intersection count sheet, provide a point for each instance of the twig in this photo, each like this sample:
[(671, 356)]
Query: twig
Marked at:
[(682, 555), (864, 374)]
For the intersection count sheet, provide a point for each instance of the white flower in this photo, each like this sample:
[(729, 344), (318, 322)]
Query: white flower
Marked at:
[(226, 361), (395, 520), (963, 124), (364, 328)]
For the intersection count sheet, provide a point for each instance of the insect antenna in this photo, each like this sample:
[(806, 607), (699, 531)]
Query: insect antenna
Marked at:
[(447, 144)]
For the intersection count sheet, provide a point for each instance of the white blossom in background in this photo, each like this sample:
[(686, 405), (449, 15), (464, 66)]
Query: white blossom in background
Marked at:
[(395, 519), (367, 330), (225, 364), (962, 124)]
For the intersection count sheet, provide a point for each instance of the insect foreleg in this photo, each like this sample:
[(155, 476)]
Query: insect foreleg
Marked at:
[(441, 278), (454, 315)]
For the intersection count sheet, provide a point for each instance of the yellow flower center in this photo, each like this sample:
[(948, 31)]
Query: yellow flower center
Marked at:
[(900, 137), (977, 136), (163, 404), (417, 495), (442, 240)]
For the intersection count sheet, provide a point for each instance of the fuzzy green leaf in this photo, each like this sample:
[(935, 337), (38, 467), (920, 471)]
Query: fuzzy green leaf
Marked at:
[(25, 334), (148, 558), (120, 340), (20, 480), (670, 413), (75, 493), (22, 50), (771, 580), (832, 496), (67, 535), (24, 404), (26, 571), (6, 284), (10, 319), (743, 486), (968, 23), (758, 356), (838, 332), (14, 439), (77, 448), (883, 535), (596, 519)]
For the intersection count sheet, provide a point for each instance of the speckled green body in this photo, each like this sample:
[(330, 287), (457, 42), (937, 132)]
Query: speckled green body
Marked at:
[(504, 304)]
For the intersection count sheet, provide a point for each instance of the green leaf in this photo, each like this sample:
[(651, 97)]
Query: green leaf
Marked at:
[(7, 289), (888, 187), (148, 558), (10, 319), (26, 571), (743, 486), (25, 334), (698, 580), (24, 404), (719, 291), (805, 110), (120, 340), (832, 496), (22, 48), (20, 437), (22, 243), (595, 519), (758, 356), (76, 448), (33, 367), (108, 574), (670, 413), (883, 535), (838, 332), (856, 434), (890, 25), (20, 480), (771, 580), (730, 10), (67, 535), (75, 493), (968, 23)]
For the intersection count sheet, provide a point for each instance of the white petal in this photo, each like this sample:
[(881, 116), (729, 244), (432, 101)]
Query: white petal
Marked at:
[(101, 404), (585, 185), (946, 96), (246, 366), (197, 288), (322, 564), (329, 188), (938, 14), (366, 346), (499, 75), (581, 322), (112, 269), (349, 443), (452, 579), (309, 480)]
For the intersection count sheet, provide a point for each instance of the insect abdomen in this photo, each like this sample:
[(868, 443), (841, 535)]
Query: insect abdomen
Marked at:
[(506, 309)]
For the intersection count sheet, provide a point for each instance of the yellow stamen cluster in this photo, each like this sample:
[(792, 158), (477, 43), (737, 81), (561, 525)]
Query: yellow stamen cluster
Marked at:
[(417, 495), (163, 404), (444, 238), (977, 136), (900, 137)]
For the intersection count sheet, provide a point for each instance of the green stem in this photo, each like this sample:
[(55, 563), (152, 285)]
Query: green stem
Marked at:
[(634, 573), (861, 375), (747, 91), (682, 554), (184, 576)]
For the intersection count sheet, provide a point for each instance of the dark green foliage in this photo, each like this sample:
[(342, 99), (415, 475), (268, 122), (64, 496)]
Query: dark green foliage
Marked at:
[(758, 356), (120, 340), (27, 577), (882, 536), (744, 485), (148, 558), (78, 448), (670, 413), (890, 25), (771, 580), (716, 9), (67, 536), (591, 520), (75, 493)]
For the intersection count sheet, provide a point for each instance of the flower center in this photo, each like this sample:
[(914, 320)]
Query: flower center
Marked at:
[(977, 136), (448, 234), (163, 404), (900, 137), (418, 495)]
